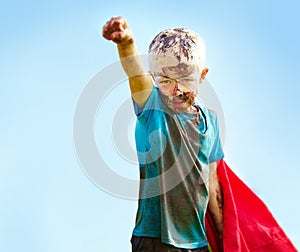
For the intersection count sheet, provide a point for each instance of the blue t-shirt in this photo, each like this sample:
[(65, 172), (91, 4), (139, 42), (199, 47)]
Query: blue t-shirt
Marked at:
[(174, 152)]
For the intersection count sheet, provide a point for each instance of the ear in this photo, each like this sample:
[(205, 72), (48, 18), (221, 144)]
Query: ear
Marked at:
[(204, 73)]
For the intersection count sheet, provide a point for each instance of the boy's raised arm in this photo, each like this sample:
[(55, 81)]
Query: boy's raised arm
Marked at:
[(141, 83)]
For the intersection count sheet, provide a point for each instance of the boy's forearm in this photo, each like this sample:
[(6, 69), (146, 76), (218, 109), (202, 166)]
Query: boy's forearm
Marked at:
[(130, 59), (117, 30), (127, 49), (139, 79)]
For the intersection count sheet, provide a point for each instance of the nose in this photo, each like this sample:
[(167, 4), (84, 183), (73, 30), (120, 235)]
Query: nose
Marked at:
[(177, 90)]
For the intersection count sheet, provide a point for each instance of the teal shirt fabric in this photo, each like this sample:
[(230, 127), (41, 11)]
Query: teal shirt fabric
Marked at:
[(174, 162)]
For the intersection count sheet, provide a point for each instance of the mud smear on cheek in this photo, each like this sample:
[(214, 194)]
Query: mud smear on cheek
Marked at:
[(188, 97)]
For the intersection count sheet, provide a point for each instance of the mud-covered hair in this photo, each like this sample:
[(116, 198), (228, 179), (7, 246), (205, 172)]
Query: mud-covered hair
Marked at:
[(184, 45)]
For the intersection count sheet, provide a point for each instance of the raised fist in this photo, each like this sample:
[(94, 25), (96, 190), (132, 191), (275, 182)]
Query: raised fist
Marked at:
[(117, 30)]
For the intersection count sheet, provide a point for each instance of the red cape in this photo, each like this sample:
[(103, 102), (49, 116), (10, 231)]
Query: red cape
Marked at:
[(248, 223)]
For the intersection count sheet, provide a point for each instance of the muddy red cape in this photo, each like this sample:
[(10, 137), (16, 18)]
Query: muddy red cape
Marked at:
[(248, 223)]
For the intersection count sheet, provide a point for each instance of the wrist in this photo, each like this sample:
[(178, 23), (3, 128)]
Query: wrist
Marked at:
[(126, 43)]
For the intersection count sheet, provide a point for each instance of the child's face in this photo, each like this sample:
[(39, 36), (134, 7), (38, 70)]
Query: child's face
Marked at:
[(178, 86)]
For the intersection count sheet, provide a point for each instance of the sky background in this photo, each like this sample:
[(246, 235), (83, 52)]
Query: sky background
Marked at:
[(49, 51)]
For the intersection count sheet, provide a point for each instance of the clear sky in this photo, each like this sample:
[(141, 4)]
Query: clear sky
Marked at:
[(50, 50)]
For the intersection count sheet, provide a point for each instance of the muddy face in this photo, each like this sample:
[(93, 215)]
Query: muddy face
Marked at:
[(187, 75), (178, 103)]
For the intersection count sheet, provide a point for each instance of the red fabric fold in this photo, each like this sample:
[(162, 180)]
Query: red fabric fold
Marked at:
[(248, 223)]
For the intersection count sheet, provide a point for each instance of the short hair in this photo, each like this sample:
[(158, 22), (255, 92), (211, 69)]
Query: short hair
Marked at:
[(183, 45)]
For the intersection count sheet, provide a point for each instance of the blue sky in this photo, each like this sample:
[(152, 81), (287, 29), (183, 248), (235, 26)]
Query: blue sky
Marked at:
[(50, 51)]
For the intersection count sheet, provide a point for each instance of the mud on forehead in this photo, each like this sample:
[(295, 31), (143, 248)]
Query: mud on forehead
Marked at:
[(180, 71)]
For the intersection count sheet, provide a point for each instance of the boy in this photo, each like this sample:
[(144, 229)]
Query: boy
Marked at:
[(177, 141)]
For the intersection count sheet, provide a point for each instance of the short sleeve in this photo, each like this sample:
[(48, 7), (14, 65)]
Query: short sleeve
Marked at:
[(153, 103), (216, 152)]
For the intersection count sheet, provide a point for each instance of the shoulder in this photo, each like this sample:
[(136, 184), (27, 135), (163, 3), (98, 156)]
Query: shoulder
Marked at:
[(212, 118), (210, 114), (152, 103)]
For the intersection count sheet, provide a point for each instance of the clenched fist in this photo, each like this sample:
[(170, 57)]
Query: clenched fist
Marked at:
[(117, 30)]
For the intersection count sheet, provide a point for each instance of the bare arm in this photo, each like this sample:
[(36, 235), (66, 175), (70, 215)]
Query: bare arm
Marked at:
[(215, 204), (118, 30)]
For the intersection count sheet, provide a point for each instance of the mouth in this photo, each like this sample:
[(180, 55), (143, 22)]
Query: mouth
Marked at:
[(178, 103)]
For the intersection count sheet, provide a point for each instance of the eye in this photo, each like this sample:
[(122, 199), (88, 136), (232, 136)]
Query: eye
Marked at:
[(166, 81), (187, 80)]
